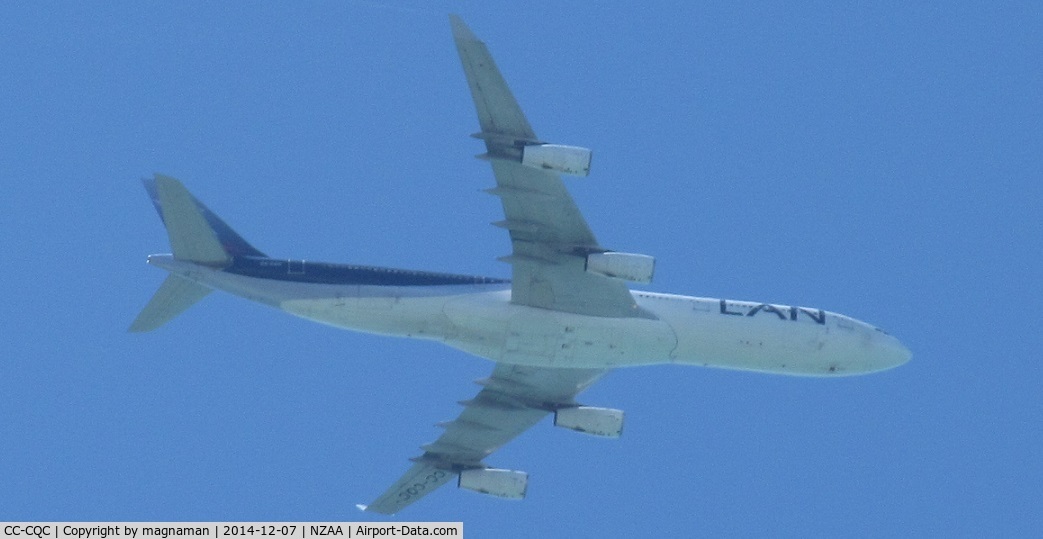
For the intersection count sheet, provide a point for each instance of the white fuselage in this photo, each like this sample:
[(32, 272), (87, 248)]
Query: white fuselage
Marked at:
[(480, 319)]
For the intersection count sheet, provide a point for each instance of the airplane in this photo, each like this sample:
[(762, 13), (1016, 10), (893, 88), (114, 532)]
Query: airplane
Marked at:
[(565, 318)]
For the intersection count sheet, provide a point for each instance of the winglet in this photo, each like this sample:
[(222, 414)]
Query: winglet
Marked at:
[(460, 29)]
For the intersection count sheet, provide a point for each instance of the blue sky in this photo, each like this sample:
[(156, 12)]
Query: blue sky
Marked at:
[(881, 160)]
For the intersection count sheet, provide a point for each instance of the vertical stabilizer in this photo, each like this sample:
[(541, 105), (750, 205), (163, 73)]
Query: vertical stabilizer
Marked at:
[(191, 237), (196, 235)]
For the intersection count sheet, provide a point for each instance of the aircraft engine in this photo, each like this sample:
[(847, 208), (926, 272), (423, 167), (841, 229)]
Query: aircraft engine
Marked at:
[(495, 482), (605, 422), (626, 266), (566, 159)]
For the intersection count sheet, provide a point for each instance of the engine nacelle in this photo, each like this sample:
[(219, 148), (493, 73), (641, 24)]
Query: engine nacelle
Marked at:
[(605, 422), (567, 159), (495, 482), (626, 266)]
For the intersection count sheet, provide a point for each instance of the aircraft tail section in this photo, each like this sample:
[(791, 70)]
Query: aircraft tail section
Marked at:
[(174, 296), (196, 235)]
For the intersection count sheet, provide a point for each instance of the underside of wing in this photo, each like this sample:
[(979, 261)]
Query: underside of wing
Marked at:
[(513, 399), (417, 482), (552, 247), (550, 239)]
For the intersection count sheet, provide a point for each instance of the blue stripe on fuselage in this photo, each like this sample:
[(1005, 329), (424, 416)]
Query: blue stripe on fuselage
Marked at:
[(302, 271)]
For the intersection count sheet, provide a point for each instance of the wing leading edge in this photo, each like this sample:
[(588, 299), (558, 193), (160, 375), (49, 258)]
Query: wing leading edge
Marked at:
[(513, 399), (550, 240), (549, 236)]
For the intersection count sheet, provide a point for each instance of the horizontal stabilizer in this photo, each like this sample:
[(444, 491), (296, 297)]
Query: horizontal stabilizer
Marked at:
[(174, 296)]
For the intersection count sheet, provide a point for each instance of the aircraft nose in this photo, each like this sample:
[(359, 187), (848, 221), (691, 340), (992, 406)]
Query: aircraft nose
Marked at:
[(893, 353)]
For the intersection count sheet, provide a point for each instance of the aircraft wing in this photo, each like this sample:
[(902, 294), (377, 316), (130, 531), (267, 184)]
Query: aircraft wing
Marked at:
[(550, 241), (513, 399), (549, 237)]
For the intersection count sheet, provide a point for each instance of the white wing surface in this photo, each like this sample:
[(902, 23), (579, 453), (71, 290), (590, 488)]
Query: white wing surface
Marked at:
[(550, 241), (549, 237), (513, 399)]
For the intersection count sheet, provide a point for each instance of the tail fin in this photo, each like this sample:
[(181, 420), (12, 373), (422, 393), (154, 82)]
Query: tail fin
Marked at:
[(196, 235)]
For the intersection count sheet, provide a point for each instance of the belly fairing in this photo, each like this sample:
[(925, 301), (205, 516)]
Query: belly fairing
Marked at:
[(496, 329)]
